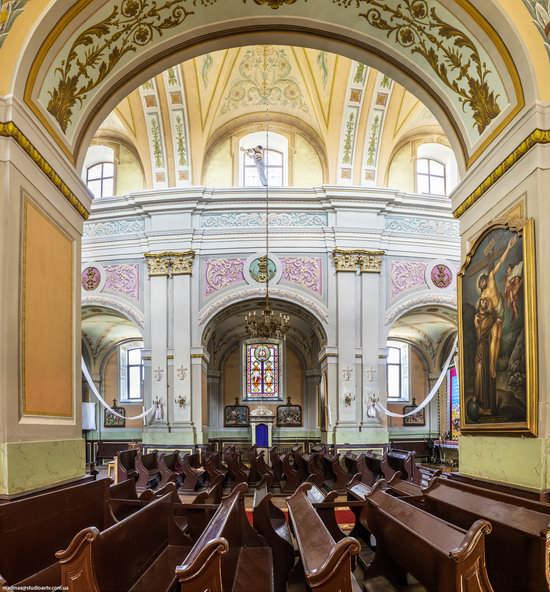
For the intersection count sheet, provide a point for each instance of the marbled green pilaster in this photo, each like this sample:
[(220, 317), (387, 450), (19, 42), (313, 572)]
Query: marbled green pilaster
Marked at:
[(27, 466)]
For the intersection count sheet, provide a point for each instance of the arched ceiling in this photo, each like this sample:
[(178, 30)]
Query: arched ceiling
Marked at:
[(103, 328), (351, 114), (473, 74)]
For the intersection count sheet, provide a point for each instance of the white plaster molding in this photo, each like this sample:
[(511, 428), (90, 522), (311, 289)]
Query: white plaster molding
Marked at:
[(239, 295), (426, 299), (131, 312)]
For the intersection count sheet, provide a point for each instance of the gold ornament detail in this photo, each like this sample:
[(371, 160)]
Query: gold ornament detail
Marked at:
[(170, 263), (537, 136), (274, 4), (98, 49), (8, 129), (449, 52), (352, 259)]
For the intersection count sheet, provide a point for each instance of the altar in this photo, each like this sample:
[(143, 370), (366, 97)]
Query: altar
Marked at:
[(261, 426)]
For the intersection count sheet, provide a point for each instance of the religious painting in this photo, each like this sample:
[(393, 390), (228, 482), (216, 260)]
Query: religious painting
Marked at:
[(236, 416), (454, 402), (110, 420), (289, 416), (417, 419), (262, 371), (498, 331)]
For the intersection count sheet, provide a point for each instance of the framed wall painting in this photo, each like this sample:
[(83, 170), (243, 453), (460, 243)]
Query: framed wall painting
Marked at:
[(498, 331), (236, 416), (417, 419), (289, 416), (113, 421)]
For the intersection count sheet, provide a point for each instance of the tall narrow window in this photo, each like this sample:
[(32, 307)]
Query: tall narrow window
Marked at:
[(262, 371), (431, 177), (397, 371), (100, 179), (274, 161), (135, 374)]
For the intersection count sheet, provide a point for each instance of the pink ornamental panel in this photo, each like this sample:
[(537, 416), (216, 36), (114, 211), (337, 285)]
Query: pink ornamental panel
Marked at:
[(406, 275), (222, 273), (304, 271), (123, 278)]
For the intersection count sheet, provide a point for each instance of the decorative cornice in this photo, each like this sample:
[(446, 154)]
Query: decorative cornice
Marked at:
[(170, 263), (8, 129), (537, 136), (351, 259)]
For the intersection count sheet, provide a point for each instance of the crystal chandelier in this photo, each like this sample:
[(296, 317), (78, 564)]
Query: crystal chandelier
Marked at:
[(266, 324)]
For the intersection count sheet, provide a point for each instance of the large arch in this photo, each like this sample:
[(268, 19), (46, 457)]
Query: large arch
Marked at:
[(71, 103)]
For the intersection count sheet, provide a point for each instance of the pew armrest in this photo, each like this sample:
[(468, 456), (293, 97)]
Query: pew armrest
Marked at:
[(77, 568)]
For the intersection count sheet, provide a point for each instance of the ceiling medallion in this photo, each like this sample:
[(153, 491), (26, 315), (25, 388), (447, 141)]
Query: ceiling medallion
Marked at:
[(274, 4)]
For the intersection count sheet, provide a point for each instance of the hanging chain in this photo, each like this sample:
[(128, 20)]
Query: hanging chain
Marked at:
[(266, 160)]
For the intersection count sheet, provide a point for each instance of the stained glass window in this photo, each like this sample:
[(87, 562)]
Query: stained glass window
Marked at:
[(262, 371)]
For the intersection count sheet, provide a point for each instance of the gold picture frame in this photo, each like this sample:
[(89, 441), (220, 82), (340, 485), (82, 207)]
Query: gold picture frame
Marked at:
[(497, 323)]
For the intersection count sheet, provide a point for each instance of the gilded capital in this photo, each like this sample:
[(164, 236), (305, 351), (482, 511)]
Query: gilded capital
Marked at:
[(345, 260), (170, 263), (371, 262)]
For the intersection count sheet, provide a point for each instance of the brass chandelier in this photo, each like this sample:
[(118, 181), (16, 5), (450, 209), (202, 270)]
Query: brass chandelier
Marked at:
[(266, 324)]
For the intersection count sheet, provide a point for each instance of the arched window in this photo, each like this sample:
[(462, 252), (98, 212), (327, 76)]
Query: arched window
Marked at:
[(100, 179), (275, 156), (436, 169), (99, 170), (274, 161), (397, 371), (262, 363), (131, 372), (431, 177)]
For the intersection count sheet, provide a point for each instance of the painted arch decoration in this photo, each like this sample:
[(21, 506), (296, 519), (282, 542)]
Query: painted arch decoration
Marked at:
[(442, 45)]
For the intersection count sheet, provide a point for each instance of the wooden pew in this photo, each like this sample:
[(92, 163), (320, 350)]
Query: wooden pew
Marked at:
[(350, 460), (276, 465), (300, 465), (230, 554), (440, 555), (402, 461), (237, 472), (193, 478), (126, 464), (169, 465), (213, 466), (427, 474), (336, 477), (149, 475), (107, 449), (32, 530), (327, 564), (271, 523), (517, 549), (139, 553), (314, 466), (373, 463), (126, 491), (291, 478)]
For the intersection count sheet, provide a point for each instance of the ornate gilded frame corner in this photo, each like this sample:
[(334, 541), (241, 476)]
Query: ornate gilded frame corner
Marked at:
[(526, 228)]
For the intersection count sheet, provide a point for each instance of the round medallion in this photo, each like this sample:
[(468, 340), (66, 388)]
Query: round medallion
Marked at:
[(262, 353), (441, 276), (261, 268), (91, 279)]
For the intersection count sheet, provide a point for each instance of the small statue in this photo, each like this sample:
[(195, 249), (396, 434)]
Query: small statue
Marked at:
[(257, 153)]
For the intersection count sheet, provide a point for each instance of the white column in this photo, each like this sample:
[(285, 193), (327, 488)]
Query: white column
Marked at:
[(311, 411), (182, 353), (199, 398), (159, 376)]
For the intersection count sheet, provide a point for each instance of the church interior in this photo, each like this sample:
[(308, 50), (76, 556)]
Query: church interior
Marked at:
[(273, 293)]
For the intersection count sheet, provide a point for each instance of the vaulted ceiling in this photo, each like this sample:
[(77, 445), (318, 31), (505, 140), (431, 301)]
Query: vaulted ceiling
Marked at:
[(351, 115)]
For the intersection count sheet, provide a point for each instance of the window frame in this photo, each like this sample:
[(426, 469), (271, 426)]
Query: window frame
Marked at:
[(124, 372), (269, 167), (404, 371), (101, 178), (431, 175), (281, 373)]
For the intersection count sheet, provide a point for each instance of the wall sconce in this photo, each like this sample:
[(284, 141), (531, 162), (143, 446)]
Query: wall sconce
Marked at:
[(181, 401), (348, 398)]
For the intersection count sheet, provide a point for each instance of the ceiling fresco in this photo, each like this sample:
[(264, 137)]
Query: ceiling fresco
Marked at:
[(455, 54)]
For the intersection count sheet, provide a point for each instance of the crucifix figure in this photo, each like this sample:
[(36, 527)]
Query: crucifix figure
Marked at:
[(181, 372), (257, 153), (370, 373), (158, 373)]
